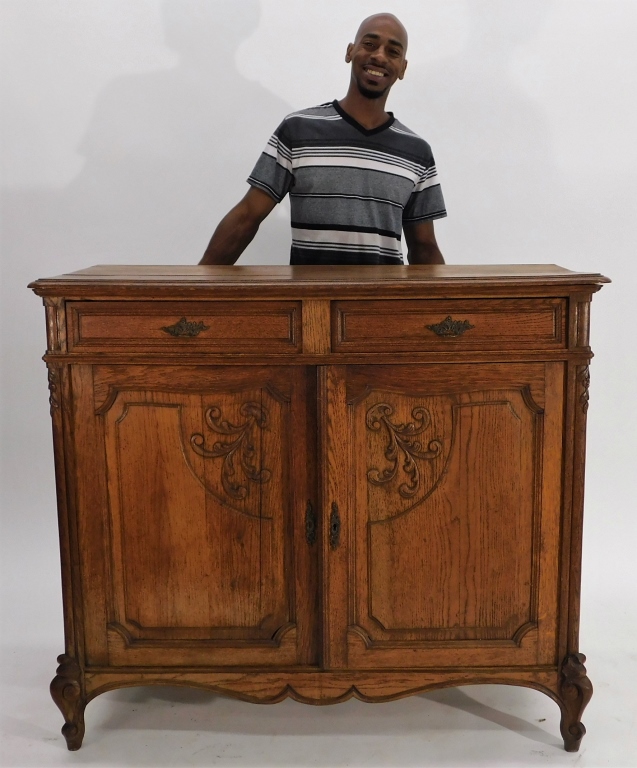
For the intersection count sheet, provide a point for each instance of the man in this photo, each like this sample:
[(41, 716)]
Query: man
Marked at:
[(356, 176)]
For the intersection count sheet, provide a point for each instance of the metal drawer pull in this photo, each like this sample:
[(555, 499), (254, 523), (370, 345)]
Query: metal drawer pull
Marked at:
[(335, 526), (450, 328), (310, 524), (185, 328)]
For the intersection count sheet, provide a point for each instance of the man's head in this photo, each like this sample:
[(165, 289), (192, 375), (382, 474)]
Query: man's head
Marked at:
[(377, 55)]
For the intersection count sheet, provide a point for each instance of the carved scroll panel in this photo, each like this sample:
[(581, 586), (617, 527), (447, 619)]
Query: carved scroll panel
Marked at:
[(198, 493), (435, 475)]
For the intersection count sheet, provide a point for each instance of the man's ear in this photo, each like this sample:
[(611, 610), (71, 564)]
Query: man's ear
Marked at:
[(402, 72), (348, 54)]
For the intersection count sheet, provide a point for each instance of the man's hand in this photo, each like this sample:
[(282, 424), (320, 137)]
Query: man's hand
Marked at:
[(422, 247), (237, 229)]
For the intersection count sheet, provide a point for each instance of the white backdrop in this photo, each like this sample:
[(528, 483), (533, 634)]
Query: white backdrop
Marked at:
[(129, 127)]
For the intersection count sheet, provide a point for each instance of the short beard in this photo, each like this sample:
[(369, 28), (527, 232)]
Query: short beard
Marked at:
[(368, 94)]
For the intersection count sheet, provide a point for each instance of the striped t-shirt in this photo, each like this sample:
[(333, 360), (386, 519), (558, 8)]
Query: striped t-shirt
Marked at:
[(350, 188)]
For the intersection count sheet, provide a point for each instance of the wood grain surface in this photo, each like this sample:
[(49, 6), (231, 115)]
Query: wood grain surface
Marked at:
[(320, 483)]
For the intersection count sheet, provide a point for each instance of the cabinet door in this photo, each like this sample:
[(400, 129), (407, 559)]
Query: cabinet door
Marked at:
[(446, 483), (193, 484)]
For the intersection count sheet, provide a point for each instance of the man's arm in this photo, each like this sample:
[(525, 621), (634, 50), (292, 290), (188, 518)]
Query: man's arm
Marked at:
[(238, 227), (422, 247)]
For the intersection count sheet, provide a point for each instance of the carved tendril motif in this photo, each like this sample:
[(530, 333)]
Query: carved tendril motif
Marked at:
[(239, 450), (585, 380), (54, 385), (401, 440)]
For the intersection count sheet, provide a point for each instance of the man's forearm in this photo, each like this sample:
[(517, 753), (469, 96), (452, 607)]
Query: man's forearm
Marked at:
[(232, 236), (425, 253)]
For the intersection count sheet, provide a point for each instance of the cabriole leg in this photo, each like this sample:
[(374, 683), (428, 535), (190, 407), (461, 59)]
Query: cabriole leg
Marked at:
[(575, 693), (66, 690)]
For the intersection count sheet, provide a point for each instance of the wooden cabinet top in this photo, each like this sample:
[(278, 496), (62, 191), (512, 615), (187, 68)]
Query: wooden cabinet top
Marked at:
[(203, 282)]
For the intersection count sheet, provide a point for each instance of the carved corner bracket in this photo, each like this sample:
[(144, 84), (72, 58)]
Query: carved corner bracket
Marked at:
[(66, 692), (575, 692)]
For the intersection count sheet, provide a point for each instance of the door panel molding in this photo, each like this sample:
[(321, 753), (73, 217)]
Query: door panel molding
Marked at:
[(452, 567)]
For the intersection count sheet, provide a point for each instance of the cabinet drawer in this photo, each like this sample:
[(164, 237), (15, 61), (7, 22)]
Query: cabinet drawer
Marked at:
[(231, 327), (455, 324)]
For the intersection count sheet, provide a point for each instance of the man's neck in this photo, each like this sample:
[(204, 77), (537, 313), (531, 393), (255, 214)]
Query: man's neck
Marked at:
[(370, 113)]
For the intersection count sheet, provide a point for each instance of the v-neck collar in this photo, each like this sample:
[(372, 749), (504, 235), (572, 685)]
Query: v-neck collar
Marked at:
[(366, 131)]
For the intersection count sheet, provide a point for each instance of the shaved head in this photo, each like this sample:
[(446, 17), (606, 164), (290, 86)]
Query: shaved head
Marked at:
[(377, 58), (371, 21)]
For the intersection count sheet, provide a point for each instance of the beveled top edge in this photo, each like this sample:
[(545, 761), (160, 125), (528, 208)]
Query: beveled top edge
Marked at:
[(199, 276)]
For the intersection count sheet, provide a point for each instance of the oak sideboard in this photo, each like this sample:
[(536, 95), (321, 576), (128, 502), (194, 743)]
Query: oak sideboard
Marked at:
[(320, 482)]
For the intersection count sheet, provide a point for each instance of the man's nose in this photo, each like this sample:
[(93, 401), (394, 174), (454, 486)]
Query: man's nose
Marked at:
[(379, 56)]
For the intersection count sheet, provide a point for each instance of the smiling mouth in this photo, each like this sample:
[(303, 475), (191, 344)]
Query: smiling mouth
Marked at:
[(375, 72)]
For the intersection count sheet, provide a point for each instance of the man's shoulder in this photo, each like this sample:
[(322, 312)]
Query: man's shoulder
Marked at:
[(307, 124), (320, 112), (409, 141), (402, 130)]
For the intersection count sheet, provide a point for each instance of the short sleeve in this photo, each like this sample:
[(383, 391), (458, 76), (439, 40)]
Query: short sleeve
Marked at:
[(426, 201), (273, 172)]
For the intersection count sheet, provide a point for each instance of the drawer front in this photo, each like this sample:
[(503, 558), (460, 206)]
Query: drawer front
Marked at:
[(455, 324), (231, 327)]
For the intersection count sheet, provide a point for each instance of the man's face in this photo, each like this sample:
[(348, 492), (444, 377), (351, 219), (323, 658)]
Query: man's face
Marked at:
[(378, 56)]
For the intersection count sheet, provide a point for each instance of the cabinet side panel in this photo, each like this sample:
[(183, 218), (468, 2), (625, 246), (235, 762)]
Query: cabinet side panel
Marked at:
[(579, 394), (60, 407), (92, 511), (553, 464)]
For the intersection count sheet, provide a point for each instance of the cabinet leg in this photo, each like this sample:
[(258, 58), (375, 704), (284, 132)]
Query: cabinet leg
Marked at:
[(66, 691), (575, 693)]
